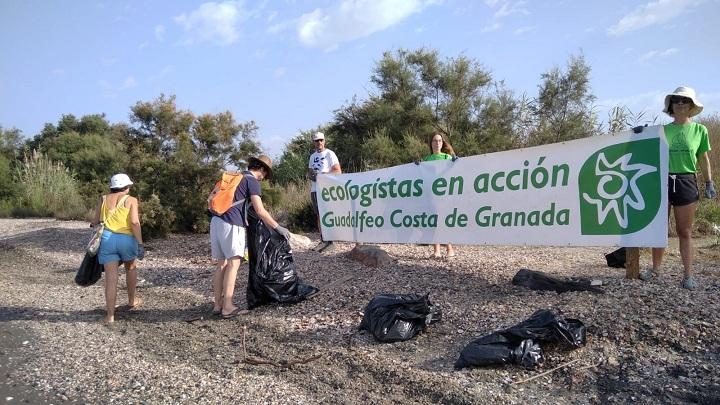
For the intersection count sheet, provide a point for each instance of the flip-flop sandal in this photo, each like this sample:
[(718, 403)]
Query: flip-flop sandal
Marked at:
[(235, 313), (217, 313)]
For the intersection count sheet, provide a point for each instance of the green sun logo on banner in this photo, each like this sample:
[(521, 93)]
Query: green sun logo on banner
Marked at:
[(619, 188)]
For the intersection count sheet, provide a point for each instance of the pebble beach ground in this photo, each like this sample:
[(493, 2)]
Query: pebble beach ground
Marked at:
[(648, 342)]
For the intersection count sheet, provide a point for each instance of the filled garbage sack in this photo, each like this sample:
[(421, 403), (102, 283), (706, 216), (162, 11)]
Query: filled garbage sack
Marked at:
[(89, 272), (536, 280), (496, 349), (399, 317), (520, 344), (616, 258), (272, 276)]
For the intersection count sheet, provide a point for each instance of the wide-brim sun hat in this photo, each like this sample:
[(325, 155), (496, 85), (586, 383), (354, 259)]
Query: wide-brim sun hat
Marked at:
[(684, 91), (265, 161), (120, 180)]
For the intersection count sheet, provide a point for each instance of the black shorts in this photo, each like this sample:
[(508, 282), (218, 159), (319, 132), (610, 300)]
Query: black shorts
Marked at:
[(682, 189), (313, 197)]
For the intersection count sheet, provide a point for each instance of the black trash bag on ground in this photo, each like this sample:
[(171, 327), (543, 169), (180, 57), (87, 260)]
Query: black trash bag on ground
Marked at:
[(496, 349), (519, 344), (89, 272), (616, 258), (536, 280), (272, 276), (398, 317)]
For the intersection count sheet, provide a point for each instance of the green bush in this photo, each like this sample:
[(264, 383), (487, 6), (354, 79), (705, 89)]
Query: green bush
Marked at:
[(272, 196), (46, 188), (708, 213), (156, 220), (6, 208)]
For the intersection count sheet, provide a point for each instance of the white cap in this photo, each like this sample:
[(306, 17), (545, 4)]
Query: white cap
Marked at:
[(120, 180), (318, 135)]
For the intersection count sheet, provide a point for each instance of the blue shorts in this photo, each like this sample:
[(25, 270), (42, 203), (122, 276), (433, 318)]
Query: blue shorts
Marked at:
[(117, 246)]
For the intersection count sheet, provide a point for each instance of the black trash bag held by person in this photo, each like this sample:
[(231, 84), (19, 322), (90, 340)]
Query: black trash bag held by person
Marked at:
[(617, 258), (519, 344), (272, 276), (89, 272), (538, 281), (398, 317)]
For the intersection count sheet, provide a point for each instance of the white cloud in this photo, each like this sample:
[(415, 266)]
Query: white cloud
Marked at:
[(128, 83), (214, 22), (279, 72), (164, 72), (509, 8), (523, 30), (143, 45), (108, 61), (652, 13), (491, 27), (160, 32), (657, 54), (271, 16), (353, 19), (111, 91)]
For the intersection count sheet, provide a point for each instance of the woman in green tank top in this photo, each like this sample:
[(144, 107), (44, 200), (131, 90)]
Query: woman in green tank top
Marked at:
[(688, 146), (440, 149)]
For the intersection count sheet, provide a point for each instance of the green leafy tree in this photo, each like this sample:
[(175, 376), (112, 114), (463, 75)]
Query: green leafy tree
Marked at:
[(10, 142), (564, 108)]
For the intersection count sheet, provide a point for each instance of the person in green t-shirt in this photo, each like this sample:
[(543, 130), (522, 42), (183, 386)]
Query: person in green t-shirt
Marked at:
[(440, 149), (688, 145)]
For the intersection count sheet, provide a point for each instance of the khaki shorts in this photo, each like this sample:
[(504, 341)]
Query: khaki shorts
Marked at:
[(226, 240)]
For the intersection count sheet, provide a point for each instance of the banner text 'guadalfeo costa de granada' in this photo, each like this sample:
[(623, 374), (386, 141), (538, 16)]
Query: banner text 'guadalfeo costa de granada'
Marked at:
[(607, 190)]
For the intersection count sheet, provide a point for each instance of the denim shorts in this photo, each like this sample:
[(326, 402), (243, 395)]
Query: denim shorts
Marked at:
[(115, 247)]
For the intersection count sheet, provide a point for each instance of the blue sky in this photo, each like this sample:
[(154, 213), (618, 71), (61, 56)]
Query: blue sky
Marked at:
[(288, 64)]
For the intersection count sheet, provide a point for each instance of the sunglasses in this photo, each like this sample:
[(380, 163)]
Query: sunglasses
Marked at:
[(319, 140), (680, 100)]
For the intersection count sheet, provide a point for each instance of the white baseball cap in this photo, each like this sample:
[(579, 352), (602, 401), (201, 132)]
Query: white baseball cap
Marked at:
[(318, 135), (120, 180)]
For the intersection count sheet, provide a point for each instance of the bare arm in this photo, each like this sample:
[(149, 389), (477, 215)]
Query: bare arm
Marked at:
[(262, 212), (96, 217), (135, 218), (336, 169), (705, 166)]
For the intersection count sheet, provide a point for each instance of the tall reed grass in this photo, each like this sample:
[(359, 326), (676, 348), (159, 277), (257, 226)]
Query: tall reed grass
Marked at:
[(47, 189)]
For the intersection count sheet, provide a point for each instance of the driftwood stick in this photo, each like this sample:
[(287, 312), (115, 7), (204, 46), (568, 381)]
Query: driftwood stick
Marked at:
[(545, 373), (332, 284), (256, 361), (590, 366), (244, 348)]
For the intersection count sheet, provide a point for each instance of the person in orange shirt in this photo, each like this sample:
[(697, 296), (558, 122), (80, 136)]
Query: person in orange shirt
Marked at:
[(121, 241)]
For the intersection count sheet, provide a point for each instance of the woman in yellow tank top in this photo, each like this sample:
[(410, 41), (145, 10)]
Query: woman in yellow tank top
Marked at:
[(121, 241)]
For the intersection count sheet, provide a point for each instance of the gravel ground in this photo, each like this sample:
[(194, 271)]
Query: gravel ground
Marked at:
[(648, 342)]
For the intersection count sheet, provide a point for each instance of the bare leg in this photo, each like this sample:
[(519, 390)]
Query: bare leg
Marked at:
[(657, 258), (436, 252), (684, 217), (218, 278), (229, 284), (658, 253), (450, 250), (111, 278), (131, 280)]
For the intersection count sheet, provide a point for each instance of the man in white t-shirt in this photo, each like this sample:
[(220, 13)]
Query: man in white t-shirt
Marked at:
[(322, 161)]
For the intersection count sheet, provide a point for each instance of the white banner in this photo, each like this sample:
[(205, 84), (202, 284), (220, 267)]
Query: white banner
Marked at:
[(598, 191)]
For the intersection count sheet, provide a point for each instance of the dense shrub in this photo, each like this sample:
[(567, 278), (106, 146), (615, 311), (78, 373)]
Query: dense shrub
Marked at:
[(156, 220), (47, 189)]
